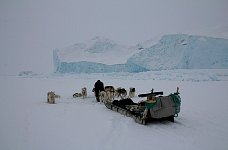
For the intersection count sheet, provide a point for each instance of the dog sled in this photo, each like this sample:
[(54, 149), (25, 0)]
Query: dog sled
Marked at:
[(155, 107)]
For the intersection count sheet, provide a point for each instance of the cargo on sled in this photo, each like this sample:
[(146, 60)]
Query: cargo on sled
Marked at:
[(155, 107)]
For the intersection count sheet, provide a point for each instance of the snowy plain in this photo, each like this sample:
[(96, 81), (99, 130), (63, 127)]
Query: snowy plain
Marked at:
[(28, 122)]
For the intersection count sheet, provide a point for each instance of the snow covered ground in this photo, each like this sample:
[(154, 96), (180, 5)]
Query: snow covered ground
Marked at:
[(28, 122)]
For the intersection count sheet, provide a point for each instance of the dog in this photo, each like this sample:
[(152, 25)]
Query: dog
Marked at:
[(120, 92), (110, 91), (103, 96), (77, 95), (131, 92), (84, 93), (51, 97)]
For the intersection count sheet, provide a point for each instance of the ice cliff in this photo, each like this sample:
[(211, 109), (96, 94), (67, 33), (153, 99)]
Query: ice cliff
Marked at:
[(95, 56), (178, 51), (184, 52)]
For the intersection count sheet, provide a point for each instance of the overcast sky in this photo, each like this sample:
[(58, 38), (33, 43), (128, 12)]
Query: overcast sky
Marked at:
[(31, 29)]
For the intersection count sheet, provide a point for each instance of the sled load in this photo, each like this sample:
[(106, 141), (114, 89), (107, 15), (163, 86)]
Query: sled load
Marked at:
[(155, 107)]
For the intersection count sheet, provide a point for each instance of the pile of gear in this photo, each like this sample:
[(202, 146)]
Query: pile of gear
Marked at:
[(155, 107)]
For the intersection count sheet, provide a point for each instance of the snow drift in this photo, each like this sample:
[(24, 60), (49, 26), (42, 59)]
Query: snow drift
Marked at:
[(178, 51)]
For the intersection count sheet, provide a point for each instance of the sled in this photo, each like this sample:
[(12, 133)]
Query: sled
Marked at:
[(156, 107)]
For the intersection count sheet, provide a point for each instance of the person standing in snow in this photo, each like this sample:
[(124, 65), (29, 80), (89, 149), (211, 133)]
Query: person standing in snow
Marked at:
[(98, 87)]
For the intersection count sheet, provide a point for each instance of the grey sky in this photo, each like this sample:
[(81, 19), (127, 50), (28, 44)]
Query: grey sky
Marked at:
[(31, 29)]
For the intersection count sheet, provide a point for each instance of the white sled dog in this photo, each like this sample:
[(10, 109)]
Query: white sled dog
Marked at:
[(84, 93), (51, 97), (131, 92), (103, 96), (110, 91)]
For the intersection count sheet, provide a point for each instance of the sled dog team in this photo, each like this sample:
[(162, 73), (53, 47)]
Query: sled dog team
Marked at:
[(107, 94), (101, 93), (110, 93)]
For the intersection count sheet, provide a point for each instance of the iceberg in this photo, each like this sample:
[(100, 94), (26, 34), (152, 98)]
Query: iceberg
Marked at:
[(176, 51), (97, 55), (182, 51)]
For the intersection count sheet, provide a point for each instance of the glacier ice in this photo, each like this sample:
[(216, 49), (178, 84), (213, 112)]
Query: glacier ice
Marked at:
[(93, 67), (177, 51), (184, 52)]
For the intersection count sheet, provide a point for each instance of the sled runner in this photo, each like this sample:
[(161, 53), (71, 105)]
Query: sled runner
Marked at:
[(154, 108)]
